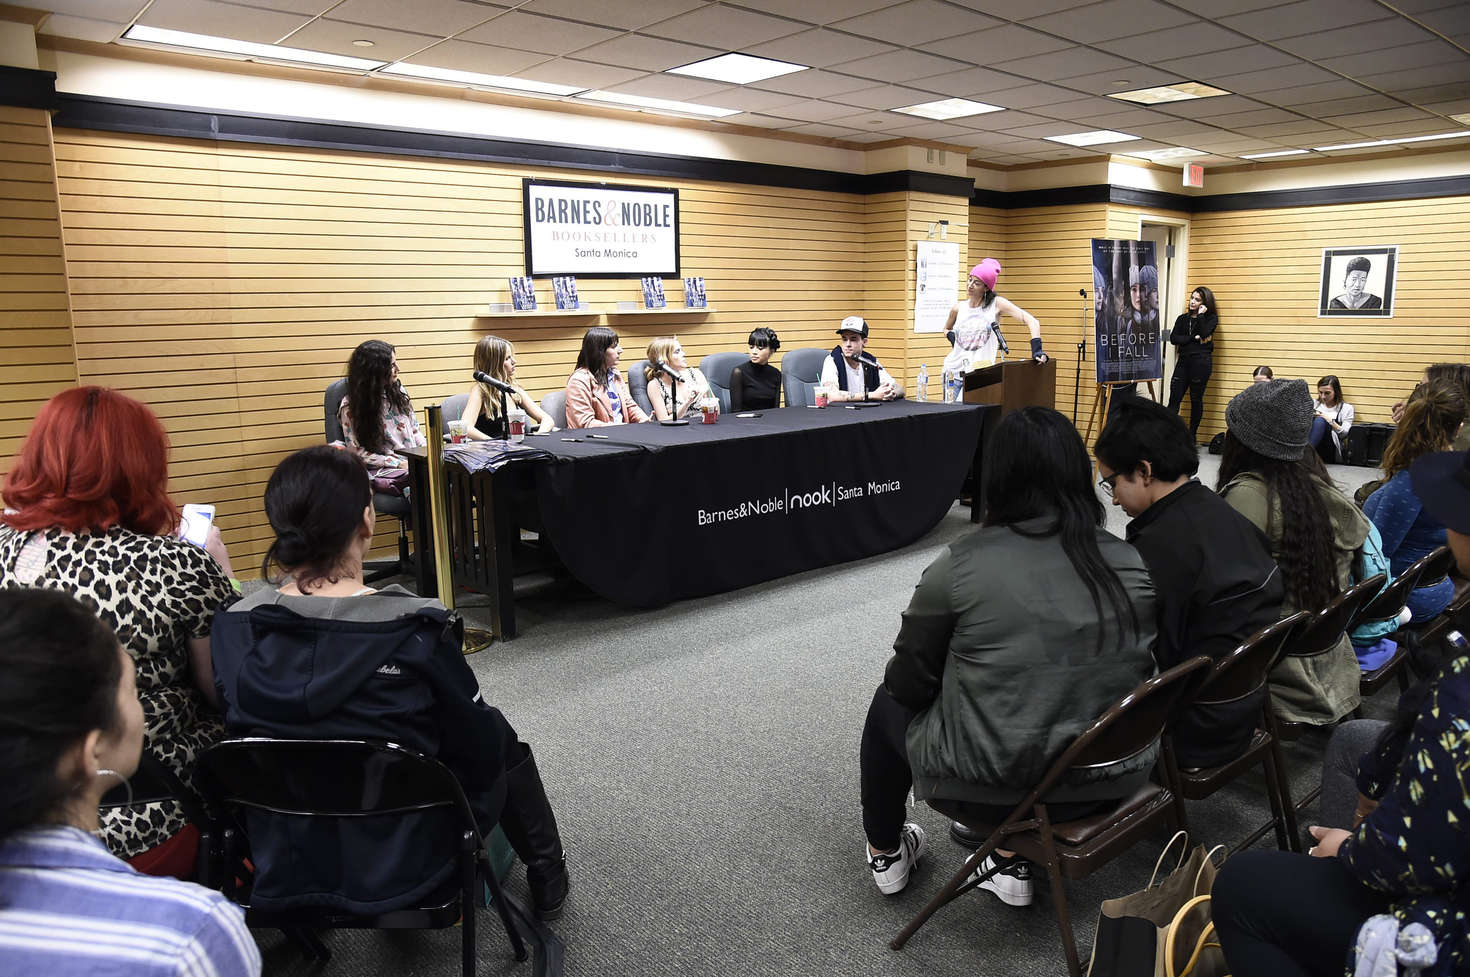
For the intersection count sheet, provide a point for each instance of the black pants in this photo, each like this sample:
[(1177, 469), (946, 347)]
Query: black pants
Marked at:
[(1280, 914), (1191, 372)]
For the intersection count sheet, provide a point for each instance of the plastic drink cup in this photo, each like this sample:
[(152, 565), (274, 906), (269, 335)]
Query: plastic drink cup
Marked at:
[(516, 420), (456, 431), (821, 396)]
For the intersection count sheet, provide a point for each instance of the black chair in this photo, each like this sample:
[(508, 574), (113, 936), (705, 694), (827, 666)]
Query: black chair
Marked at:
[(154, 783), (1389, 603), (1075, 849), (344, 780), (1238, 676), (384, 504)]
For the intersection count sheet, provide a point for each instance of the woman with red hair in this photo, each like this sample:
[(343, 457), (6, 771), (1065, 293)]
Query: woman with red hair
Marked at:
[(88, 513)]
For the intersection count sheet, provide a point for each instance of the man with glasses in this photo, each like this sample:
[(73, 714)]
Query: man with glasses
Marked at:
[(1214, 579)]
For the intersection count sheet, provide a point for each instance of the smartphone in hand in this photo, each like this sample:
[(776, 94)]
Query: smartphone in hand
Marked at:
[(198, 517)]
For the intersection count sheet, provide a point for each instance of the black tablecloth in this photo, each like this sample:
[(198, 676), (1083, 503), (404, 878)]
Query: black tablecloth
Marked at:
[(651, 514)]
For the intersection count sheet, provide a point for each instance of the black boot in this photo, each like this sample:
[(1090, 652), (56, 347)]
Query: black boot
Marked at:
[(530, 827)]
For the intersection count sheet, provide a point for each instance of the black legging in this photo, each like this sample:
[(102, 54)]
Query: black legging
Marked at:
[(1191, 372)]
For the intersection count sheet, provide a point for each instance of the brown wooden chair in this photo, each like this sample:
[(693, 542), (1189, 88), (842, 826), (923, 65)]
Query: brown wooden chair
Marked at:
[(1129, 727), (1238, 676)]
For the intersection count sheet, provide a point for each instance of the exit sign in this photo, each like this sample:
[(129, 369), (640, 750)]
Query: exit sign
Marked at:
[(1194, 174)]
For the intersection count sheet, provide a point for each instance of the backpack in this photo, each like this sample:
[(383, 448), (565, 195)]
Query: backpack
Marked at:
[(1369, 561)]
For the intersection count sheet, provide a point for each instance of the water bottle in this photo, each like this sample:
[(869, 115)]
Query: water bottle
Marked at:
[(944, 382), (923, 391)]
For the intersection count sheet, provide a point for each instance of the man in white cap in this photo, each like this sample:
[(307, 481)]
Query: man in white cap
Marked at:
[(854, 374)]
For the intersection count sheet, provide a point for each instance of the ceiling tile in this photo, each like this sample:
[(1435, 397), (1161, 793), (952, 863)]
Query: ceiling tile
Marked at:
[(1274, 79), (446, 16), (1320, 108), (1183, 41), (1110, 19), (916, 22), (1208, 108), (1030, 95), (484, 58), (1303, 17), (676, 87), (931, 130), (815, 83), (899, 66), (336, 37), (762, 121), (812, 110), (314, 7), (1410, 129), (1007, 42), (1215, 9), (1439, 74), (1077, 110), (1059, 65), (970, 83), (884, 97), (1004, 121), (1388, 33), (1257, 117), (1426, 94), (827, 131), (819, 48), (868, 137), (1384, 117), (624, 14), (753, 99), (1280, 129), (1124, 79), (1126, 118), (815, 11), (1044, 129), (1452, 21), (1396, 58), (549, 35), (82, 28), (1021, 9), (118, 11), (223, 20), (727, 27), (869, 120), (648, 53), (585, 74), (1210, 67)]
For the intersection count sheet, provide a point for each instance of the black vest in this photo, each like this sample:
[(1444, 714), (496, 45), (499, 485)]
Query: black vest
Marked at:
[(870, 372)]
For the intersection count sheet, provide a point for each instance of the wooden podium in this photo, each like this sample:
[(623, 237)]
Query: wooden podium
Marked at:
[(1010, 385)]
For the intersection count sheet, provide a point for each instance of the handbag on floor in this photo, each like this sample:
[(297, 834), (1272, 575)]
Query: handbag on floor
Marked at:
[(1133, 931)]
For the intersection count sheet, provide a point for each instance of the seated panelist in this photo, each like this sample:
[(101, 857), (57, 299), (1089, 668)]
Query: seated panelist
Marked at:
[(853, 374), (376, 415), (597, 395), (756, 384), (496, 357), (672, 400)]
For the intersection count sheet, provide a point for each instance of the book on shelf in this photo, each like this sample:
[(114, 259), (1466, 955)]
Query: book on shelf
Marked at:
[(653, 293), (694, 297), (523, 293), (565, 289)]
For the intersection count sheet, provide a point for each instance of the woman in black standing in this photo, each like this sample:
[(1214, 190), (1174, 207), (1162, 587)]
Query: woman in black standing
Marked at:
[(1193, 334)]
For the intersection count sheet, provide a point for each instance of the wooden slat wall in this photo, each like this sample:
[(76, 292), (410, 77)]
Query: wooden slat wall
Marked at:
[(226, 285), (35, 321), (930, 348), (1264, 267)]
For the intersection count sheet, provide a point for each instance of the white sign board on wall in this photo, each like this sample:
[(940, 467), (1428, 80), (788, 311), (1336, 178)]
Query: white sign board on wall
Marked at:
[(599, 230), (935, 281)]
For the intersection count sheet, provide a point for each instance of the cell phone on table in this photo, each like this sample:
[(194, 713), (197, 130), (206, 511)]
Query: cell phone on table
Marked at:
[(198, 517)]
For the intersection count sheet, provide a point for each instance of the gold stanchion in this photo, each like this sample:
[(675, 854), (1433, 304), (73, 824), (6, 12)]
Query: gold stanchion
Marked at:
[(475, 639)]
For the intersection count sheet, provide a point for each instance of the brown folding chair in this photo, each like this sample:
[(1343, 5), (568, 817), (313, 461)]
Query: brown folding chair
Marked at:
[(1321, 636), (1432, 632), (1238, 676), (1388, 604), (1077, 848)]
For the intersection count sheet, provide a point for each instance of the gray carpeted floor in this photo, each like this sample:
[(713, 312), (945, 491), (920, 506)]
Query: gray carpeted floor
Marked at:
[(703, 762)]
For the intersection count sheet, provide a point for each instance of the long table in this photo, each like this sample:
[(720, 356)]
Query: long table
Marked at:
[(646, 514)]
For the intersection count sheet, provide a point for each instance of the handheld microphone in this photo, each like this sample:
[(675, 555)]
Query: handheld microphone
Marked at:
[(500, 385), (663, 367), (1000, 339)]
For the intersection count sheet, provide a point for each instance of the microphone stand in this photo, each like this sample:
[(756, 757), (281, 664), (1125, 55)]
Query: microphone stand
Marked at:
[(673, 421), (505, 413), (1081, 355)]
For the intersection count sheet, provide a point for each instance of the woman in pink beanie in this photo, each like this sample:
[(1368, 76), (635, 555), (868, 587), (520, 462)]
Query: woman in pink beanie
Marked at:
[(974, 321)]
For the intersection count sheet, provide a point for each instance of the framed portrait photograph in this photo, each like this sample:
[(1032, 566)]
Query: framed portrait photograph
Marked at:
[(1358, 282)]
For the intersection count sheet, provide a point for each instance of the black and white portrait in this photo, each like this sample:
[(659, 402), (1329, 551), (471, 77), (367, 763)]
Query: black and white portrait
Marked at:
[(1358, 281)]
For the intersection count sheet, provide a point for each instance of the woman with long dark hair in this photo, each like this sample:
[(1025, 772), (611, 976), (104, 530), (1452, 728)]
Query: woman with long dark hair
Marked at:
[(323, 656), (1430, 422), (71, 729), (596, 392), (1333, 421), (89, 514), (1016, 639), (1193, 336), (376, 415), (1269, 475)]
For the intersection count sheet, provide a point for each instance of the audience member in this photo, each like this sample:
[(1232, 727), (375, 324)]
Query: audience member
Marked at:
[(1402, 867), (1016, 639), (597, 396), (1430, 423), (1214, 579), (324, 656), (692, 389), (1333, 421), (975, 322), (853, 374), (88, 514), (1262, 374), (496, 357), (71, 728), (1442, 483), (756, 384), (376, 415), (1458, 373), (1194, 336), (1269, 475)]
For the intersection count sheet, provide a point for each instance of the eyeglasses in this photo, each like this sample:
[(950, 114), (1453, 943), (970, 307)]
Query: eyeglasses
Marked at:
[(1107, 483)]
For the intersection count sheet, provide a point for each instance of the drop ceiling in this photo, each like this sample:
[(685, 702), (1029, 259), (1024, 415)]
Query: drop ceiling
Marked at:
[(1304, 74)]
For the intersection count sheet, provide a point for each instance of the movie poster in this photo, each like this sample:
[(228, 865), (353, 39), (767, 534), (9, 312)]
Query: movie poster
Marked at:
[(1129, 319)]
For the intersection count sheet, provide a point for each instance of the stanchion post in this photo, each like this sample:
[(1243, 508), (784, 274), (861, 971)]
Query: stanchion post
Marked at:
[(475, 639)]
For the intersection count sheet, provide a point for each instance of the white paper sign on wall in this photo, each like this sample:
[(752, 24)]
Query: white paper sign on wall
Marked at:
[(935, 284), (598, 230)]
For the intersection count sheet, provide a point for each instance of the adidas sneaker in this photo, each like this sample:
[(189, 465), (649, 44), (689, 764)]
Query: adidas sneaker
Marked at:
[(891, 871), (1011, 882)]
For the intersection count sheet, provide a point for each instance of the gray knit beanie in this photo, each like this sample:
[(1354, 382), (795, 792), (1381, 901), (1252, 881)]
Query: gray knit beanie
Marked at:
[(1273, 419)]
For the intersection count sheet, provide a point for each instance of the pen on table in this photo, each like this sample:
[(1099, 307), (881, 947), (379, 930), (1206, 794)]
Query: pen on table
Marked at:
[(600, 437), (578, 440)]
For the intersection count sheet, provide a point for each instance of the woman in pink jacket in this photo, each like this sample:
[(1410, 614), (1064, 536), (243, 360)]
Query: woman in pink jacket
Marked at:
[(596, 393)]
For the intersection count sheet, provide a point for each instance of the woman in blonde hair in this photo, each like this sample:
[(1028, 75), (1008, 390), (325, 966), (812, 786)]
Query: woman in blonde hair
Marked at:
[(1430, 421), (692, 385), (497, 357)]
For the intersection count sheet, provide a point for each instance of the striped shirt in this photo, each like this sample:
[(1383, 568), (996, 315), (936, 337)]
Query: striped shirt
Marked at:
[(69, 907)]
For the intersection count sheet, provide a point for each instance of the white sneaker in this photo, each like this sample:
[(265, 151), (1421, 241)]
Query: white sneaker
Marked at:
[(1011, 882), (891, 872)]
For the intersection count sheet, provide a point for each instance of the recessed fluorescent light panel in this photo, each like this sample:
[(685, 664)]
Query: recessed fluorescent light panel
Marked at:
[(477, 80), (229, 45), (1177, 92), (1395, 142), (659, 104), (1159, 155), (1275, 154), (1094, 138), (949, 108), (737, 69)]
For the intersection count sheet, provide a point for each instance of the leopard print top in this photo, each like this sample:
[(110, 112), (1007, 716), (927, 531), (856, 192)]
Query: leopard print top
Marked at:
[(156, 592)]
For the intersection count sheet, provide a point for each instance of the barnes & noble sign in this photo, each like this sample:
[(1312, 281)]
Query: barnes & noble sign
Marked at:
[(600, 230)]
